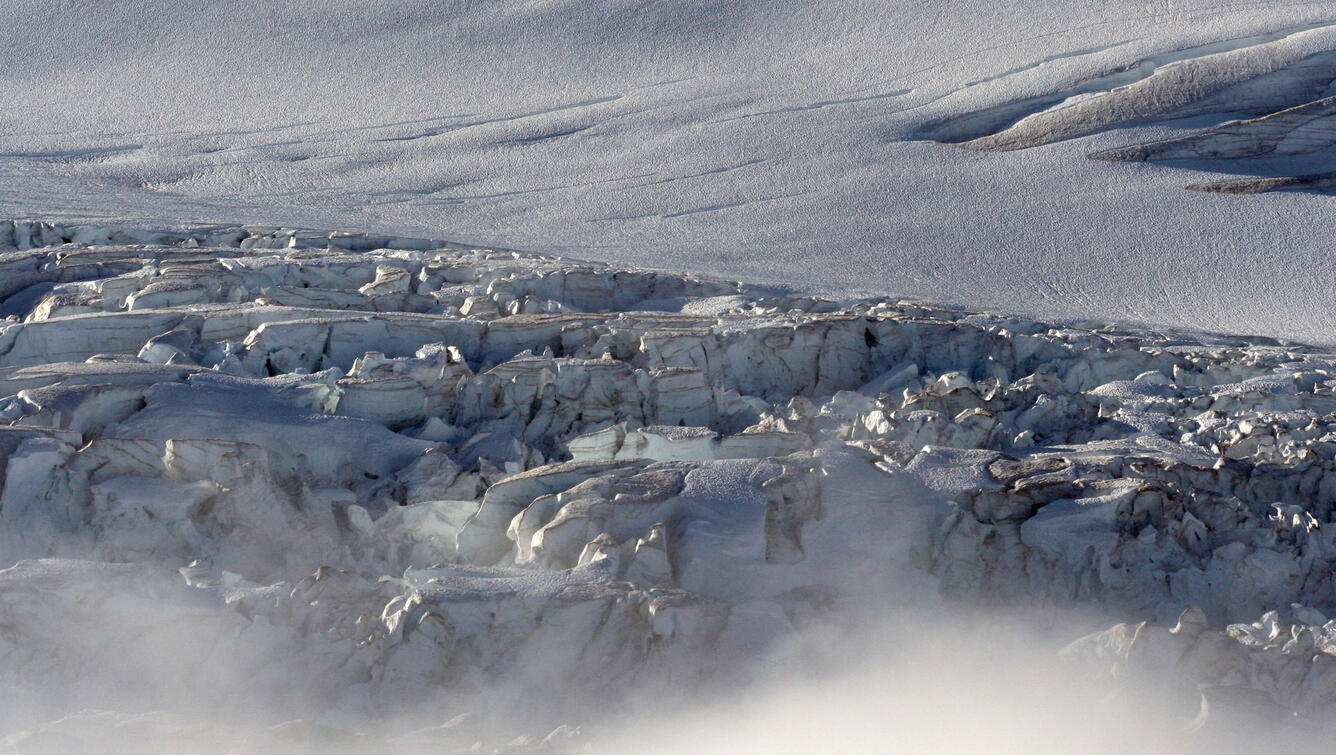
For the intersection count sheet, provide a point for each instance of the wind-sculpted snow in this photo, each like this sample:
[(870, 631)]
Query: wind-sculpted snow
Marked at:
[(782, 142), (418, 471), (1281, 82)]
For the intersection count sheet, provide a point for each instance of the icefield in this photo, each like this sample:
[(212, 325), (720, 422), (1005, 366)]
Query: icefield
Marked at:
[(376, 375), (267, 487)]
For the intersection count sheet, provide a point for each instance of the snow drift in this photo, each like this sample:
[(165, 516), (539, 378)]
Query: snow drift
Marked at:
[(772, 141)]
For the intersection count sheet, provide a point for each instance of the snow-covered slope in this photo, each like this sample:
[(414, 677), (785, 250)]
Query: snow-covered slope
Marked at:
[(779, 141), (264, 488)]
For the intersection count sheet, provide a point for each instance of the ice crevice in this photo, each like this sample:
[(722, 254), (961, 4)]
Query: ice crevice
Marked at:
[(1267, 97), (435, 463)]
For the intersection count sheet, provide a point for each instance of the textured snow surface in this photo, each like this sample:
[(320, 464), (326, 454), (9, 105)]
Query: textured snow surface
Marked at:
[(266, 488), (788, 142)]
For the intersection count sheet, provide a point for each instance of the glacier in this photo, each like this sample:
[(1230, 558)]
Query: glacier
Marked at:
[(376, 374), (417, 470)]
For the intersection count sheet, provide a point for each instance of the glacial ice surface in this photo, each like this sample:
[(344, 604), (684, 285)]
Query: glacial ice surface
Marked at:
[(411, 468)]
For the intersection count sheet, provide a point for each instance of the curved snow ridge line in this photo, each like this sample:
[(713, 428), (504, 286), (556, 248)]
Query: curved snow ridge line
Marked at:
[(1045, 61), (91, 153), (1321, 182), (464, 123), (1170, 85)]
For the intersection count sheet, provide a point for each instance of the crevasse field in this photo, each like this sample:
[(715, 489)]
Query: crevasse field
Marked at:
[(375, 375)]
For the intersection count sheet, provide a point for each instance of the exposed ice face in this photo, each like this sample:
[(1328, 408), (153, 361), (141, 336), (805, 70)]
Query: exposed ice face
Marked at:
[(413, 469)]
